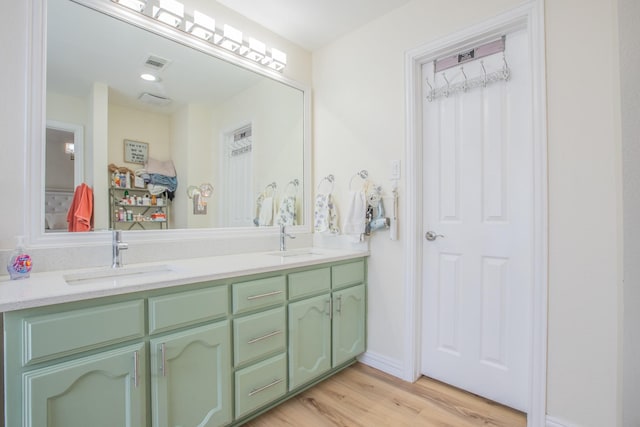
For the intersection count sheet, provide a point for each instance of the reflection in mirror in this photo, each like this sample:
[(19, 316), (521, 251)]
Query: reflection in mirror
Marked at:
[(195, 114), (63, 172)]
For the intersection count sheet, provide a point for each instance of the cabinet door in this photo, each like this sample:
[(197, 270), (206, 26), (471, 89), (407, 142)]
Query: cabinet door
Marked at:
[(103, 390), (191, 377), (309, 339), (348, 324)]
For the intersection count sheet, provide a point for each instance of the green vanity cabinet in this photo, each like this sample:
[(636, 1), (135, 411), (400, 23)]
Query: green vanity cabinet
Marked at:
[(309, 339), (107, 388), (207, 354), (190, 381), (348, 327), (66, 364), (327, 330), (190, 378)]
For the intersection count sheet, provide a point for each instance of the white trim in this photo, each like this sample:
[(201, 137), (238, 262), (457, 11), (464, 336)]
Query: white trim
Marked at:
[(382, 363), (555, 422), (529, 16), (35, 136)]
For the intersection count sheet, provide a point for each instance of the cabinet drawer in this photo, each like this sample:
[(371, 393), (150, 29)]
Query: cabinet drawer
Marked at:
[(258, 335), (186, 308), (347, 274), (50, 336), (260, 384), (309, 282), (260, 293)]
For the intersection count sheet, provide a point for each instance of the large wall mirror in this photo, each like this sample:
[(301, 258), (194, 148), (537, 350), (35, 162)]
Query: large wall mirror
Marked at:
[(241, 130)]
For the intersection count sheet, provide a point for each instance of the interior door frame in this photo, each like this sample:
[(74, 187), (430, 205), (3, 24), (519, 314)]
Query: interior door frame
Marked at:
[(530, 17)]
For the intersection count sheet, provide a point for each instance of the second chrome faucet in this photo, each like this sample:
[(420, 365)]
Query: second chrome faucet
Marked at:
[(283, 236), (117, 246)]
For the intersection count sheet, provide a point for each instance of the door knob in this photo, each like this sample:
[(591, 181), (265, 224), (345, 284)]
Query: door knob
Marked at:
[(431, 236)]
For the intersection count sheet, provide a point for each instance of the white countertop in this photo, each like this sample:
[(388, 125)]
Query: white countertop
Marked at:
[(51, 288)]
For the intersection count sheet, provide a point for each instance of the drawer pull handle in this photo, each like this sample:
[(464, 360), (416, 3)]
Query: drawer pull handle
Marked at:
[(136, 368), (339, 305), (264, 387), (264, 337), (268, 294), (328, 310), (164, 360)]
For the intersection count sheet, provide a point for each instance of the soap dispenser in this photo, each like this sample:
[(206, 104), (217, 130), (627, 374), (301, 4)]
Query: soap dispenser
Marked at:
[(19, 264)]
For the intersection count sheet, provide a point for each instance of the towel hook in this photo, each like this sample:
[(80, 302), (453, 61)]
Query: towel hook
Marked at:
[(484, 74), (506, 71), (363, 174), (330, 179), (430, 93), (293, 183), (273, 186), (464, 85), (446, 91)]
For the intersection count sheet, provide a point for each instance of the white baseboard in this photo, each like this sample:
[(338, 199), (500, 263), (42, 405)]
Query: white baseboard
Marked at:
[(555, 422), (385, 364)]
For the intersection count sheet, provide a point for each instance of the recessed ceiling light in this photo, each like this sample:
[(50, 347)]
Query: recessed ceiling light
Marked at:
[(149, 77)]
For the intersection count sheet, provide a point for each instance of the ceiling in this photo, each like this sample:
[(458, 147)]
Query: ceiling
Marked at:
[(312, 24)]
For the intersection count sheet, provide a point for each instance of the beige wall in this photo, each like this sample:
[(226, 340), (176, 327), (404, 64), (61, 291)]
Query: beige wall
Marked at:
[(137, 125), (584, 197), (359, 118)]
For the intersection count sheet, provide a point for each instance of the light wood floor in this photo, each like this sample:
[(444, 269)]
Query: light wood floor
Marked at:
[(363, 396)]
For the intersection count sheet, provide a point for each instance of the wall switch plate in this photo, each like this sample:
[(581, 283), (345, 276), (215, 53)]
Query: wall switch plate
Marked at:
[(395, 169)]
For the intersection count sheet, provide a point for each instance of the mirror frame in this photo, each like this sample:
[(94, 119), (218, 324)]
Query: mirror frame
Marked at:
[(34, 205)]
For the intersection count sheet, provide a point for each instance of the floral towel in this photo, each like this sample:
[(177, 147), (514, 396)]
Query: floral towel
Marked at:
[(326, 215), (287, 212)]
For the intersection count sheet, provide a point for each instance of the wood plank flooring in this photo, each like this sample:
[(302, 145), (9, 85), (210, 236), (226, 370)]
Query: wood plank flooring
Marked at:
[(363, 396)]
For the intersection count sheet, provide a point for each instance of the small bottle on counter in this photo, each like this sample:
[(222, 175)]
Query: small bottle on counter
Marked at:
[(19, 264)]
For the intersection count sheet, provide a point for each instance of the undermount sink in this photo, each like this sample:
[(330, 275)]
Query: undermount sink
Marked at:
[(296, 252), (107, 273)]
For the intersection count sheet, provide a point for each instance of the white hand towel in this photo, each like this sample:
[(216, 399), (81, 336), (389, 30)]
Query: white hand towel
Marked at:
[(355, 220), (266, 212)]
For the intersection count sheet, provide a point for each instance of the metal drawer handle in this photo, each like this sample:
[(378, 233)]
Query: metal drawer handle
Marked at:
[(136, 368), (264, 337), (164, 360), (268, 294), (339, 307), (263, 388)]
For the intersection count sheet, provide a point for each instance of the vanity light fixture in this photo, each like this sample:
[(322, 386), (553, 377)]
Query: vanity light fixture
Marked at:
[(256, 51), (137, 5), (170, 12), (202, 26), (230, 40), (277, 61)]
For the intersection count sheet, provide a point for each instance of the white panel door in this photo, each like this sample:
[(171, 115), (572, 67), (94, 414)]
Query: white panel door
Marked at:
[(478, 172)]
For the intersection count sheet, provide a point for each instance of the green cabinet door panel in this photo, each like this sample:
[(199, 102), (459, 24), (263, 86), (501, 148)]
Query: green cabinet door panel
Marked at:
[(309, 339), (60, 334), (259, 384), (351, 273), (102, 390), (258, 335), (191, 377), (348, 324)]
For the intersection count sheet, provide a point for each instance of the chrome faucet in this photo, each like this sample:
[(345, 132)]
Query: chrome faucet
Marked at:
[(283, 236), (117, 246)]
